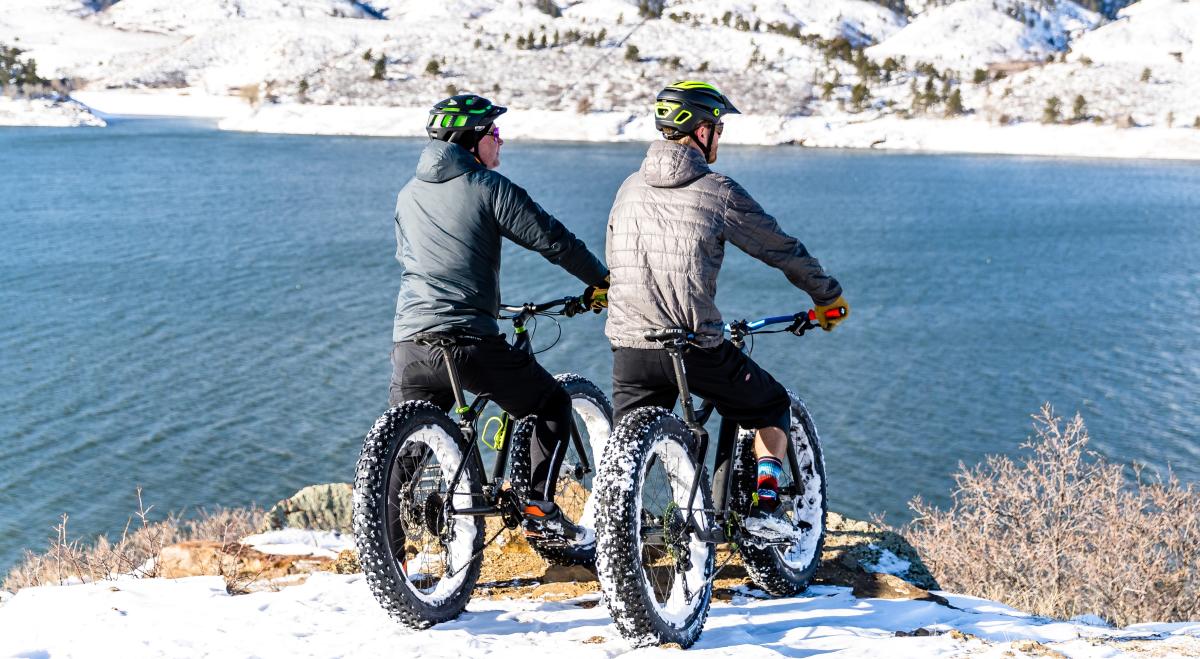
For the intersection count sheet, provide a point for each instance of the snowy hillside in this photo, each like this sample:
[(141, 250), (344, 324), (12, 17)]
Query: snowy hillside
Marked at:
[(813, 71), (334, 615)]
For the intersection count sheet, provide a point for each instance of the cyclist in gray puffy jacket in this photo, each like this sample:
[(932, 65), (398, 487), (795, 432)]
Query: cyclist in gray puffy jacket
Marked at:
[(450, 220), (666, 239)]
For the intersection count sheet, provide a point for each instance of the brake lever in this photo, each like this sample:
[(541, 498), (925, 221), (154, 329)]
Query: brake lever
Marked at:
[(801, 324)]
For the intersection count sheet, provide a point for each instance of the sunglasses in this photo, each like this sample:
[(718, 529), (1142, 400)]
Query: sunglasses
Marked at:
[(720, 128), (495, 133)]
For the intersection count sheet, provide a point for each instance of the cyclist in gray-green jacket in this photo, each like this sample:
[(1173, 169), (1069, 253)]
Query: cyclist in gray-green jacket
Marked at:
[(451, 218)]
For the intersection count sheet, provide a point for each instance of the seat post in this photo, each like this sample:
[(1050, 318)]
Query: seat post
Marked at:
[(685, 395), (455, 384)]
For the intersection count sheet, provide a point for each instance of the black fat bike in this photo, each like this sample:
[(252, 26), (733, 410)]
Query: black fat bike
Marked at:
[(421, 492), (660, 518)]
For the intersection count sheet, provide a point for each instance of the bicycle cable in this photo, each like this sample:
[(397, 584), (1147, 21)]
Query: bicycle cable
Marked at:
[(558, 338)]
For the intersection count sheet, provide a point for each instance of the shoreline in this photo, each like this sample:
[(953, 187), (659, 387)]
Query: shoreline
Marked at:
[(967, 135)]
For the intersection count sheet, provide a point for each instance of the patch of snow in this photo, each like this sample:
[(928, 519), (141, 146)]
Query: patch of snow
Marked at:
[(974, 33), (1151, 32), (888, 563), (163, 103), (335, 615), (1091, 619), (301, 542), (46, 113), (194, 16), (67, 42)]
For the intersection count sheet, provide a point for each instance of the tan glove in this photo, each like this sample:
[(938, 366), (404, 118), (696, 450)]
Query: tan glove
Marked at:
[(841, 309), (596, 297)]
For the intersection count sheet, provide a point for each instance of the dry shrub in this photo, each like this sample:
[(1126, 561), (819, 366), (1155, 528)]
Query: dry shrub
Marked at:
[(70, 560), (1063, 533)]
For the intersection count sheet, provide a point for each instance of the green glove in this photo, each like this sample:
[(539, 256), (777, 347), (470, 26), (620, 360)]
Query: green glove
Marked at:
[(828, 322)]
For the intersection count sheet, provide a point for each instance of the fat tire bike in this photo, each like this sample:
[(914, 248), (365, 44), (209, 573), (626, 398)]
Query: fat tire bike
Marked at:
[(421, 492), (660, 517)]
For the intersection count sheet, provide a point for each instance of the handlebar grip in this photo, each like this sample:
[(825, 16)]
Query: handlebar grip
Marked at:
[(830, 314)]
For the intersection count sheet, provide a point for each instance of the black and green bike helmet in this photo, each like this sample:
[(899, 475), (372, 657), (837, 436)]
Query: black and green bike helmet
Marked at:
[(462, 119), (686, 104)]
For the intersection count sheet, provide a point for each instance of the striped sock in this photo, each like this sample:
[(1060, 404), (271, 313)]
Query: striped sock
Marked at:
[(769, 471)]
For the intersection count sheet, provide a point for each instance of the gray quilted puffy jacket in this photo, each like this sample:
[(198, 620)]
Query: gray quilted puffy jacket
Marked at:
[(666, 240)]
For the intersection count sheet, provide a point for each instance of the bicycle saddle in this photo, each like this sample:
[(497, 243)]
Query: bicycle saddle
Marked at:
[(671, 334)]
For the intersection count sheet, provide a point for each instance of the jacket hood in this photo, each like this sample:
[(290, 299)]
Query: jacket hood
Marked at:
[(671, 164), (442, 161)]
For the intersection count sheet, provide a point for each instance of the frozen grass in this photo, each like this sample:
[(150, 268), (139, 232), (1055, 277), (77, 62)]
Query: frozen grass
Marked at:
[(70, 560), (1064, 533)]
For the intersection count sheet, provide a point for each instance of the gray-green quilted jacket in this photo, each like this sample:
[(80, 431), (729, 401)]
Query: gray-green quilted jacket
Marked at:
[(666, 240), (450, 220)]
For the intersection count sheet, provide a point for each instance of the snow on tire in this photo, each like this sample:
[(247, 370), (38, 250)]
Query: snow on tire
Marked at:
[(420, 566), (784, 571), (658, 590), (592, 409)]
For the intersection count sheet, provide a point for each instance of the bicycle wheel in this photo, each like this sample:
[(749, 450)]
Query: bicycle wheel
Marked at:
[(786, 569), (420, 565), (593, 418), (654, 571)]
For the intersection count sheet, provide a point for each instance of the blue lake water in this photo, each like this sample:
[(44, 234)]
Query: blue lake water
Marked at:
[(208, 314)]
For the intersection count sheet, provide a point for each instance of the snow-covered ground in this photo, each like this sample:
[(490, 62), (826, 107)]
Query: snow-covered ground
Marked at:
[(47, 113), (335, 616), (343, 67)]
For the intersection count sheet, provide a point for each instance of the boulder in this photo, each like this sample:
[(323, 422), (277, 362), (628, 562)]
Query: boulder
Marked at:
[(325, 507), (205, 557), (854, 548), (890, 587)]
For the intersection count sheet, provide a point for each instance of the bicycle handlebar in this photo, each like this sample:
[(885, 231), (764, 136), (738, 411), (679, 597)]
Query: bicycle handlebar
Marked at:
[(538, 307), (801, 322)]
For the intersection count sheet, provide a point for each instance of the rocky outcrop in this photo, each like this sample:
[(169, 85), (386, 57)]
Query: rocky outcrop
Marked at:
[(874, 561), (854, 547), (318, 507), (204, 557)]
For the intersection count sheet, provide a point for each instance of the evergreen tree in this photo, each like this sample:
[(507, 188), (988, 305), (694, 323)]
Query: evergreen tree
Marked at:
[(380, 67), (859, 95), (1053, 111), (954, 105), (1146, 74), (1079, 108), (367, 56), (980, 76), (433, 68), (631, 53)]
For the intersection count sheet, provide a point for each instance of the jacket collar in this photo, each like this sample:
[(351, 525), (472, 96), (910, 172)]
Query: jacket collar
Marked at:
[(442, 161), (671, 164)]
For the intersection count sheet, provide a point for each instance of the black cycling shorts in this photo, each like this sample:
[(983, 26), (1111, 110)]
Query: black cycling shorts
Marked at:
[(489, 365), (741, 389)]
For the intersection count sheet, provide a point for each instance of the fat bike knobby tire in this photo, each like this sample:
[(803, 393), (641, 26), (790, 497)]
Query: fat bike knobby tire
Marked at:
[(593, 418), (654, 571), (784, 570), (420, 566)]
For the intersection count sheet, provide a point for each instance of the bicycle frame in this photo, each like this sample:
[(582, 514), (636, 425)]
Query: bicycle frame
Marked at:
[(468, 415), (695, 418)]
